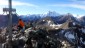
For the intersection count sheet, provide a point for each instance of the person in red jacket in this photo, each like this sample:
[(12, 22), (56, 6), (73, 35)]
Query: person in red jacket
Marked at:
[(21, 25)]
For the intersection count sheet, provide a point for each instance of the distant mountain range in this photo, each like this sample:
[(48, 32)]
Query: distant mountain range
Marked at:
[(4, 20), (55, 17)]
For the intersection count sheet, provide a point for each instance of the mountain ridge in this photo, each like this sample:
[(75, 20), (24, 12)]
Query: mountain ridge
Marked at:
[(58, 19)]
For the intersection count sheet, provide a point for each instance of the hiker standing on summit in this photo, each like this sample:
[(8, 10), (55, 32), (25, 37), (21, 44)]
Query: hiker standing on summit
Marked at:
[(21, 25)]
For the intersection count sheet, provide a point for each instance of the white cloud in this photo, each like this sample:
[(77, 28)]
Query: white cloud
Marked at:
[(1, 11), (77, 0), (70, 5), (4, 3), (16, 3)]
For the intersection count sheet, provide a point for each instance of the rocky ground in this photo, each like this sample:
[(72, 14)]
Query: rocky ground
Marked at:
[(43, 38)]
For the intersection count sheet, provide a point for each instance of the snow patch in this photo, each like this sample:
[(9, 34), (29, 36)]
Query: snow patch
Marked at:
[(83, 30), (69, 35), (84, 43)]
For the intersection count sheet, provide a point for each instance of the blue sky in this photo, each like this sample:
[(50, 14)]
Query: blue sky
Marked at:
[(24, 7)]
